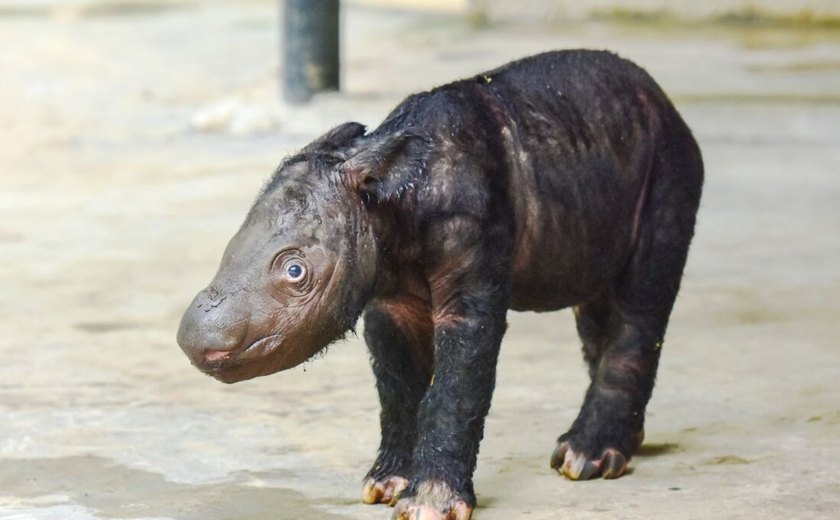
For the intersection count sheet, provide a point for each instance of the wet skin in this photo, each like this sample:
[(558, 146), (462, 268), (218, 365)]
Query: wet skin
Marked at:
[(562, 180)]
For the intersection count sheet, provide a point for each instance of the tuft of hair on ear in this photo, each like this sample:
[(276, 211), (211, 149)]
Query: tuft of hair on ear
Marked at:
[(386, 168), (330, 149), (341, 136)]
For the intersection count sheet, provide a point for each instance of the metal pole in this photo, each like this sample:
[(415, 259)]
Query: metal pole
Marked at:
[(310, 48)]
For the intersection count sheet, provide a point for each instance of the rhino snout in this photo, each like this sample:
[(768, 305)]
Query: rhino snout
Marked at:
[(211, 330)]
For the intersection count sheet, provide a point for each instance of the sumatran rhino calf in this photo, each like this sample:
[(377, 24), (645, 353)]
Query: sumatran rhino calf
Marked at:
[(562, 180)]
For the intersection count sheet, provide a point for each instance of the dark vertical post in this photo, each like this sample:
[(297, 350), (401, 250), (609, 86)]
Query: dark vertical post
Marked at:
[(310, 48)]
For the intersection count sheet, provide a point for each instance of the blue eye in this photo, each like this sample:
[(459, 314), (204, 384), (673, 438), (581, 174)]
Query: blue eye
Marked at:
[(295, 272)]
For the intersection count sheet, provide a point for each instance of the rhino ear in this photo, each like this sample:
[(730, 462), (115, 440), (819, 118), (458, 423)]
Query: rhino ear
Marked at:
[(340, 136), (385, 168)]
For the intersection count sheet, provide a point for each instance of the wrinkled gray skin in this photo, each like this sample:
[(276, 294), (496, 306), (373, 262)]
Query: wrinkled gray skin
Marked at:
[(255, 318)]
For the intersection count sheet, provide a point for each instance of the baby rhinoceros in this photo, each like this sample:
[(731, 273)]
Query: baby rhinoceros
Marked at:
[(565, 179)]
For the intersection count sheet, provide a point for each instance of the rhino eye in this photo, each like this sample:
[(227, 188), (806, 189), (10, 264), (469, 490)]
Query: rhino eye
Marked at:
[(295, 272)]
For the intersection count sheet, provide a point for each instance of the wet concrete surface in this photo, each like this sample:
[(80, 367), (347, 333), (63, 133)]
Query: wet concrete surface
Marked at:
[(132, 142)]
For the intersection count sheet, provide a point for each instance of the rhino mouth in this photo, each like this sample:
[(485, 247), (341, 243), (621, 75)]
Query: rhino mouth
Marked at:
[(219, 362)]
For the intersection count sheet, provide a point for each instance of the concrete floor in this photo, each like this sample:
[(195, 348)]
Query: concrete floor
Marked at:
[(132, 142)]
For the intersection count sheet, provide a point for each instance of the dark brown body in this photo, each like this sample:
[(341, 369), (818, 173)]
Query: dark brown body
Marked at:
[(559, 200), (565, 179)]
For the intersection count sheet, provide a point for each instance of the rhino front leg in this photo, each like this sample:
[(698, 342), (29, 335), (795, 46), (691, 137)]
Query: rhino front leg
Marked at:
[(451, 420), (470, 295), (398, 335)]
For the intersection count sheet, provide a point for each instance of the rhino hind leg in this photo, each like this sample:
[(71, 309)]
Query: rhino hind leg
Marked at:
[(623, 330), (610, 425)]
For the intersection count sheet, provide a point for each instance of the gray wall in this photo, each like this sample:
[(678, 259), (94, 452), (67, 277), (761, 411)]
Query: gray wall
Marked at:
[(692, 10)]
